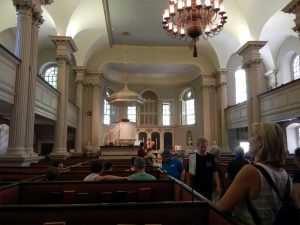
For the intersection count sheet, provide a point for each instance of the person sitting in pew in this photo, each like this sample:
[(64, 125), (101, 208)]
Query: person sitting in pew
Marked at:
[(140, 173), (52, 173), (96, 168), (132, 163), (108, 167), (59, 165)]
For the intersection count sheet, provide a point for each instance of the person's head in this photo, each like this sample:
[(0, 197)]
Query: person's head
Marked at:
[(59, 165), (166, 155), (108, 166), (132, 160), (52, 173), (297, 156), (216, 152), (96, 166), (268, 144), (239, 152), (139, 164), (202, 144)]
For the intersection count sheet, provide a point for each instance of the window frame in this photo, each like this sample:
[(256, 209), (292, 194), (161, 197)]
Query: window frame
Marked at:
[(46, 67), (239, 94), (188, 110)]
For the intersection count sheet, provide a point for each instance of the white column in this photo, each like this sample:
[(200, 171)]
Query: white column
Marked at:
[(80, 73), (96, 115), (208, 86), (222, 105), (64, 48), (16, 154), (37, 20), (251, 64), (294, 7)]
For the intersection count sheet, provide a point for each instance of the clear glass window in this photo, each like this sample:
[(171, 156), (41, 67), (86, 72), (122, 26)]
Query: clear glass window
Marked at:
[(188, 108), (107, 110), (50, 75), (131, 113), (166, 114), (240, 86)]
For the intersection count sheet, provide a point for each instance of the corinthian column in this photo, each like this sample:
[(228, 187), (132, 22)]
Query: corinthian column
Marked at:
[(221, 76), (16, 154), (64, 48), (251, 64), (80, 73), (294, 7), (37, 20), (96, 112), (208, 87)]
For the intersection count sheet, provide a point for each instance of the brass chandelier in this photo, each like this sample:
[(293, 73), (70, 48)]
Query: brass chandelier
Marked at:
[(194, 18)]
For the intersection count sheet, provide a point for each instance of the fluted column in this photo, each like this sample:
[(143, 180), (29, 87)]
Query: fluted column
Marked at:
[(221, 76), (16, 154), (251, 64), (208, 84), (64, 48), (80, 73), (96, 114), (294, 8), (37, 20)]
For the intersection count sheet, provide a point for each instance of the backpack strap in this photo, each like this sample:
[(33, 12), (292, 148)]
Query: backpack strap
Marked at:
[(252, 211), (272, 184)]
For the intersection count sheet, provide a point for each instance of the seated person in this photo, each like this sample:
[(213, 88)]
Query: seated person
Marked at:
[(172, 165), (96, 168), (107, 167), (52, 173), (59, 165), (141, 150), (140, 173), (132, 163)]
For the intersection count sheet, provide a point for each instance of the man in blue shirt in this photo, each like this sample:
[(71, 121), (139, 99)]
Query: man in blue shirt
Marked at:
[(172, 165)]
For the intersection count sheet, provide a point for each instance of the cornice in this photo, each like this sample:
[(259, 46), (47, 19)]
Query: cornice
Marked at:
[(64, 41), (250, 45)]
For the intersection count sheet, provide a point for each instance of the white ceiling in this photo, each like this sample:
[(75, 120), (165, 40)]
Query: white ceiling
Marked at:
[(97, 28)]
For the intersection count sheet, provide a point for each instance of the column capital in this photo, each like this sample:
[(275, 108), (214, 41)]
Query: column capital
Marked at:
[(251, 63), (65, 46), (250, 51), (294, 8), (221, 77), (93, 79), (80, 72), (208, 81)]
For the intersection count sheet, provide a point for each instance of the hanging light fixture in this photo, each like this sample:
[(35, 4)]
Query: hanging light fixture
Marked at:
[(125, 96), (194, 18)]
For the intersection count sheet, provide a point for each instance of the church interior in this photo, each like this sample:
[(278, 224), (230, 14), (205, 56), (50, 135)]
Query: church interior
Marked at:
[(95, 78)]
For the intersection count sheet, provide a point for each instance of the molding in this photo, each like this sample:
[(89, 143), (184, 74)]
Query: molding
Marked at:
[(250, 45)]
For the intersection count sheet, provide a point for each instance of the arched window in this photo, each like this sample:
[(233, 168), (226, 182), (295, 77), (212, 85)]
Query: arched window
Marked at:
[(109, 110), (240, 86), (49, 73), (188, 108), (296, 67)]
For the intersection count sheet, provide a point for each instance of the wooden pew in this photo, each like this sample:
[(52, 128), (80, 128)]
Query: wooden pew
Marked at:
[(117, 213), (185, 208)]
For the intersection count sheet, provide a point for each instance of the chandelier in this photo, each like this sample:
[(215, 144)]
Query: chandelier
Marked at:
[(194, 18), (125, 96)]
